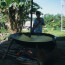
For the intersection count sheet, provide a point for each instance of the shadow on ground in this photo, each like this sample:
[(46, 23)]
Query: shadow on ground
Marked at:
[(61, 38)]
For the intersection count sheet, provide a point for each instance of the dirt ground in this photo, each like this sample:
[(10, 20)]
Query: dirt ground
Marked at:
[(58, 55)]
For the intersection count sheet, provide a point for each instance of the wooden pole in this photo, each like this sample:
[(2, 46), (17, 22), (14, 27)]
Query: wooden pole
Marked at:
[(31, 15), (0, 11)]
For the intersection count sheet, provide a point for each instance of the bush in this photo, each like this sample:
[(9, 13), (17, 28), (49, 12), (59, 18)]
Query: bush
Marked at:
[(4, 19), (3, 30), (52, 21)]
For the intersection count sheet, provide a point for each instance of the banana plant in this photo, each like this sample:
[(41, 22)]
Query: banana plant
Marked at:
[(23, 10)]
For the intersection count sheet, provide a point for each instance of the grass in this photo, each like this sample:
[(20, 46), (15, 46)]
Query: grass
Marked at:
[(56, 32)]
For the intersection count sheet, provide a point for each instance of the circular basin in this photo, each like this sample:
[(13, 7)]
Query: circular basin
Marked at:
[(40, 40)]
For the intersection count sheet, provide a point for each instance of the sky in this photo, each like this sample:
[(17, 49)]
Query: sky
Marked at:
[(51, 6)]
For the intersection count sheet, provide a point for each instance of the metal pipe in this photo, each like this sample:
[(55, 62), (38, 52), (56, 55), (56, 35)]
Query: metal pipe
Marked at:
[(61, 15)]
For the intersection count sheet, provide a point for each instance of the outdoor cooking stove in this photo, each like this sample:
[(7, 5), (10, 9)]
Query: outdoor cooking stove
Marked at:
[(26, 54)]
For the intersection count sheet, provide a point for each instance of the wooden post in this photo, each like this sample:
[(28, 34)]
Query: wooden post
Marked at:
[(31, 14), (8, 49), (0, 12)]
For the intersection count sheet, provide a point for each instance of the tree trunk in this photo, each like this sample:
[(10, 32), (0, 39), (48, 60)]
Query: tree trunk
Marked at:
[(9, 23)]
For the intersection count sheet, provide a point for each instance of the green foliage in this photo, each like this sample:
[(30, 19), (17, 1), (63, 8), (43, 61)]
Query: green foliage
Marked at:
[(52, 21), (8, 2), (4, 19), (3, 3), (2, 24), (3, 30), (0, 4), (48, 18), (63, 22)]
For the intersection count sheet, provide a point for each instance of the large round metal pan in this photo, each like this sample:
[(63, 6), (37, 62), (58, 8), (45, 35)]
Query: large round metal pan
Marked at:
[(48, 44)]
